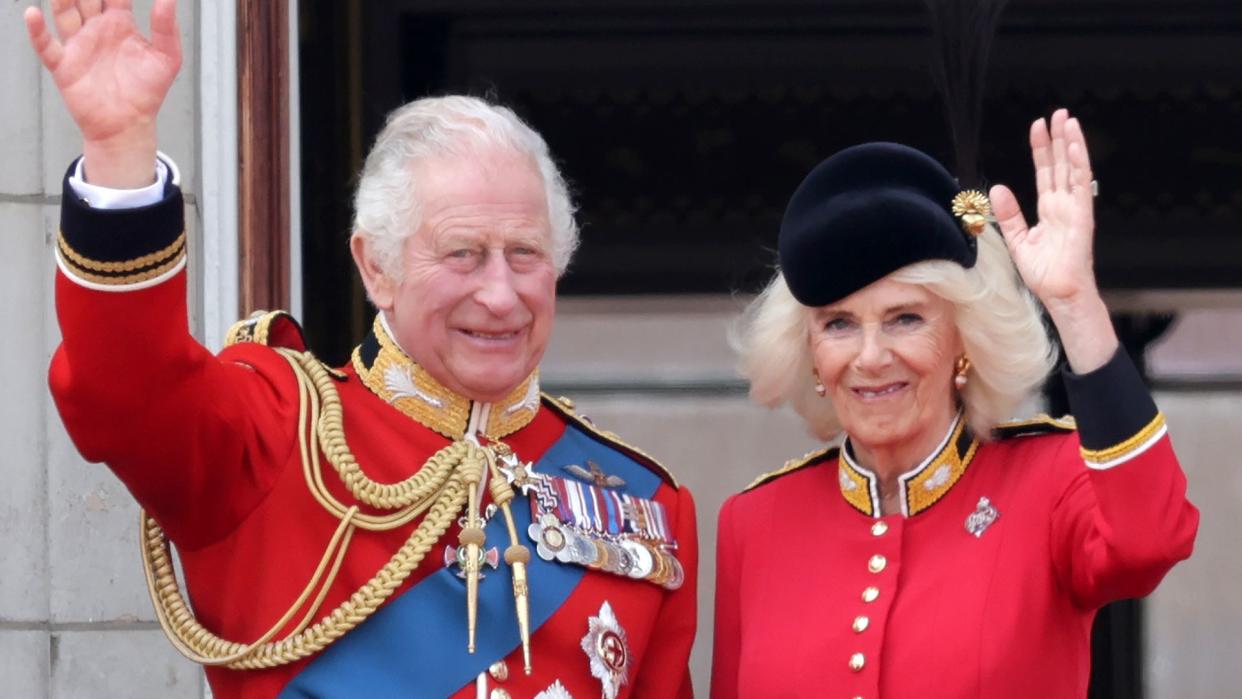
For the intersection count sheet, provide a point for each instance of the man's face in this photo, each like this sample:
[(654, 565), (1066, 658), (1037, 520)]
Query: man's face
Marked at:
[(475, 305)]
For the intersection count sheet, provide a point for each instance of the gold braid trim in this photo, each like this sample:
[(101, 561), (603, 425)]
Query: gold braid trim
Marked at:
[(790, 466), (438, 488), (1138, 441), (126, 266)]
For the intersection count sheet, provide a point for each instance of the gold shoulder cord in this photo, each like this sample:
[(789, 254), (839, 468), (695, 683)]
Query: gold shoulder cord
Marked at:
[(437, 488)]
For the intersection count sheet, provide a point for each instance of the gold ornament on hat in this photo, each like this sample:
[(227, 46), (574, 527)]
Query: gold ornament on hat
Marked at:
[(973, 209)]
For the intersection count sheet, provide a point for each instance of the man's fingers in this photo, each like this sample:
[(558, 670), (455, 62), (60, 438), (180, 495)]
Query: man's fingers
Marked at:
[(89, 8), (1008, 214), (120, 5), (45, 45), (65, 15), (165, 36), (1041, 153)]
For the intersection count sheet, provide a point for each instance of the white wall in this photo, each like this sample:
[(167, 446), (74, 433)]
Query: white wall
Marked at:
[(75, 620)]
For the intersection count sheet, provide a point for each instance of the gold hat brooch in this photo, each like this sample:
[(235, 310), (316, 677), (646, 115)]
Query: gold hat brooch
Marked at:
[(973, 209)]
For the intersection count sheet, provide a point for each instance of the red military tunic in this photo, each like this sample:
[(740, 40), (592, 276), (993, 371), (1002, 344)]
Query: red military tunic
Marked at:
[(985, 586), (208, 445)]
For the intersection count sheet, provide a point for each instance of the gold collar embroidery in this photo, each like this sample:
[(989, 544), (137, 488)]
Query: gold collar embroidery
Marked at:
[(390, 374), (921, 486)]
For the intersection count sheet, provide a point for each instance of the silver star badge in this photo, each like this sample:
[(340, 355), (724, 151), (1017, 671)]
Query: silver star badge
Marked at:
[(605, 644)]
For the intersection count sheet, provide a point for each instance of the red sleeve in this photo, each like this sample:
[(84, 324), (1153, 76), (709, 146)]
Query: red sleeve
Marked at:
[(726, 642), (198, 440), (1123, 520), (666, 666)]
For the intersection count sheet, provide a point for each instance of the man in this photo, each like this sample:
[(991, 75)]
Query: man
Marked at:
[(421, 522)]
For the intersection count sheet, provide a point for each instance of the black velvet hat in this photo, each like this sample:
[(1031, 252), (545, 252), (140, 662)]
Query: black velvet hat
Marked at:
[(868, 211)]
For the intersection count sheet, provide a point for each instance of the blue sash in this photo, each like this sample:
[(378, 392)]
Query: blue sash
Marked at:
[(415, 645)]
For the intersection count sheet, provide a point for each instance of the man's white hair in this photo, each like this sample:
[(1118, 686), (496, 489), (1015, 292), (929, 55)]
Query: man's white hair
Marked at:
[(997, 318), (386, 205)]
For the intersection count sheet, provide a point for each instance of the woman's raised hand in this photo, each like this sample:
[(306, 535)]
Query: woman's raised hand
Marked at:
[(1054, 256), (112, 79)]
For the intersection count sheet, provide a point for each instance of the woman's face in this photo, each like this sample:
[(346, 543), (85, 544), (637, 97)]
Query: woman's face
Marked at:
[(886, 356)]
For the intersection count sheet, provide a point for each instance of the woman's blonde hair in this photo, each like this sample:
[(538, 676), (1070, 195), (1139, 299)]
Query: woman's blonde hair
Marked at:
[(997, 318)]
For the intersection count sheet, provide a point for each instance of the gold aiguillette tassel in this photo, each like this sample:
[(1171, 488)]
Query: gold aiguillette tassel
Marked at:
[(472, 539), (517, 555)]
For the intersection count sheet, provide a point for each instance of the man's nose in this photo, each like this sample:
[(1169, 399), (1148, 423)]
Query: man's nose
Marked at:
[(496, 290)]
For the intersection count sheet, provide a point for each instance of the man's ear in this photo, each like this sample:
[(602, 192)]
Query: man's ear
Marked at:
[(381, 288)]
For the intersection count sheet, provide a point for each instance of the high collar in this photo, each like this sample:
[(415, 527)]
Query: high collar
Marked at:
[(390, 374), (920, 487)]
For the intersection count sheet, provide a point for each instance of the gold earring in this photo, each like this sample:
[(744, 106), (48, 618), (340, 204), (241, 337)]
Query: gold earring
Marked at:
[(961, 369), (820, 390)]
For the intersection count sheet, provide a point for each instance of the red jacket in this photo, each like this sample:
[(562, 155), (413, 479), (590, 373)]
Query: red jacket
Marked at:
[(208, 446), (988, 587)]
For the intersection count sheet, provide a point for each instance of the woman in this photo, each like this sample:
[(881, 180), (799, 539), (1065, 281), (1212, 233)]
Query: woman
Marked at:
[(939, 552)]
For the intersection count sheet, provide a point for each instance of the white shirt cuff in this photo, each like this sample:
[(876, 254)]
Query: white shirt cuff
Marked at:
[(106, 198)]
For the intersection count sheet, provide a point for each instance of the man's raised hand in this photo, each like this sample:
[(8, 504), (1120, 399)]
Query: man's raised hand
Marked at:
[(112, 78)]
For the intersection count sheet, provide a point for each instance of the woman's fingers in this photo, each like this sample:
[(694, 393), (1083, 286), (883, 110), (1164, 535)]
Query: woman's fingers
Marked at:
[(1041, 153), (1080, 160), (1060, 151), (45, 45), (1008, 214)]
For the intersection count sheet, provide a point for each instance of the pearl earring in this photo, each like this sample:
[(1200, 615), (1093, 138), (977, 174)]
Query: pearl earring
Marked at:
[(961, 369), (820, 390)]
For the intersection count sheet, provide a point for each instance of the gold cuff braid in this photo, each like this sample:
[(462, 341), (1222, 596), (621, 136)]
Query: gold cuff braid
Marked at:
[(436, 488)]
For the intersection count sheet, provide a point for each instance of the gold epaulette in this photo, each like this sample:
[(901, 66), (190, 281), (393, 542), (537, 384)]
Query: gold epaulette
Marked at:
[(565, 408), (809, 459), (272, 328), (1040, 424)]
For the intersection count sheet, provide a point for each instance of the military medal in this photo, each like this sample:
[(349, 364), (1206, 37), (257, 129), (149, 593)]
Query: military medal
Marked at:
[(643, 561), (592, 524), (608, 650), (982, 518), (455, 557)]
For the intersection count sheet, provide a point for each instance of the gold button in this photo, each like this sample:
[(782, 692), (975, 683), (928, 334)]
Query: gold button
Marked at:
[(871, 594), (857, 661), (879, 528), (877, 563), (861, 623)]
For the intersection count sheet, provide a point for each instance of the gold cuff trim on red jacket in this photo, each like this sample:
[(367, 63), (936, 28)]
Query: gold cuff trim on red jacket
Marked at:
[(121, 272), (1103, 459), (408, 387)]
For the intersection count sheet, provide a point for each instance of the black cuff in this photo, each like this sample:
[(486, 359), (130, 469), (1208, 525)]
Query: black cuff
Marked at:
[(121, 246), (1111, 404)]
